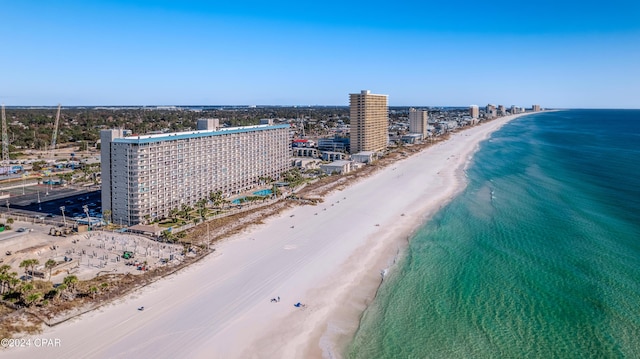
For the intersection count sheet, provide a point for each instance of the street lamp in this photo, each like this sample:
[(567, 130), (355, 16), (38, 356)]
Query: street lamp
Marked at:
[(208, 240), (86, 211), (62, 208)]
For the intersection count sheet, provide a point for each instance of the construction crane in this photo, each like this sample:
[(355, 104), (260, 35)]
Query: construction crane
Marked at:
[(5, 139), (55, 132)]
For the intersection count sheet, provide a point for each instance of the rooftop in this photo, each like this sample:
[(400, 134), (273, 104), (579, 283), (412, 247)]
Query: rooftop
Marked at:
[(140, 139)]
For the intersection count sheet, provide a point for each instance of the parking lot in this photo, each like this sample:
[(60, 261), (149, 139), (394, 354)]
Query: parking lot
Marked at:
[(44, 203), (38, 232)]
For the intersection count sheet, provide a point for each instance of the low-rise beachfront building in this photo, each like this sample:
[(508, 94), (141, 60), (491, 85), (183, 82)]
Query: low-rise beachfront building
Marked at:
[(145, 177), (334, 144), (364, 157), (305, 163), (336, 167), (411, 138), (332, 156), (305, 152), (303, 143)]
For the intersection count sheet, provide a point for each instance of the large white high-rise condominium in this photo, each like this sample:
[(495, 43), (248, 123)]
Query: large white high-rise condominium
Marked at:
[(145, 177), (369, 122)]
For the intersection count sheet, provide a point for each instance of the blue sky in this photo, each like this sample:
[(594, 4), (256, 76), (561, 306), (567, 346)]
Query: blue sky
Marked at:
[(431, 53)]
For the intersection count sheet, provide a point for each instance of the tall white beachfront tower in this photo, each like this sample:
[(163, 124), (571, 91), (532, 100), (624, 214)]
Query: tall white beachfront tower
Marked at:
[(369, 121), (145, 177)]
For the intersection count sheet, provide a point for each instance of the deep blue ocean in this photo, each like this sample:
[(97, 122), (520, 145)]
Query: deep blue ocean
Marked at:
[(539, 257)]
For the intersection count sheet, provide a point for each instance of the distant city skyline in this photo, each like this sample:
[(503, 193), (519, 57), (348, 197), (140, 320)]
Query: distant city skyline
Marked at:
[(118, 53)]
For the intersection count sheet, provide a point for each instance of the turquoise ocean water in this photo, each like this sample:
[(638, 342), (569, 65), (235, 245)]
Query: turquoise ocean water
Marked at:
[(538, 258)]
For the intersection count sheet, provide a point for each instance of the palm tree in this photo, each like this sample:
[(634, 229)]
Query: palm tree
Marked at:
[(173, 214), (201, 203), (5, 277), (203, 213), (26, 288), (49, 264), (32, 298), (186, 209), (213, 196), (13, 281), (167, 236), (61, 288), (70, 281), (29, 264), (216, 198), (93, 290), (25, 264), (34, 263)]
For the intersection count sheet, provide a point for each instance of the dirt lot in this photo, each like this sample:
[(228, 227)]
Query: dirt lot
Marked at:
[(87, 254)]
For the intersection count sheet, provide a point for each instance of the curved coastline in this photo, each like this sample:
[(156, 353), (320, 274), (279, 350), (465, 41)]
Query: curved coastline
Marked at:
[(330, 261), (334, 340)]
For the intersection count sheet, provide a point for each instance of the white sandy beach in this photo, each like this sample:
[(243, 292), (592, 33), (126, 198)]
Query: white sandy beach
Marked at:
[(328, 257)]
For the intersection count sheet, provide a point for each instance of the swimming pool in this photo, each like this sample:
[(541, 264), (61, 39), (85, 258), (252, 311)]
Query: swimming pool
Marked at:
[(263, 192), (239, 200)]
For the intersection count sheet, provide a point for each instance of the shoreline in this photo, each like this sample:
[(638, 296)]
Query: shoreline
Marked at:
[(327, 256), (340, 326)]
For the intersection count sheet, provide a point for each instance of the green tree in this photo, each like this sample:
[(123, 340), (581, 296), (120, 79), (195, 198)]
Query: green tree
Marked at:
[(202, 203), (186, 210), (93, 290), (49, 264), (8, 280), (203, 213), (174, 214), (13, 282), (32, 298), (26, 288), (167, 236), (61, 288), (70, 281), (29, 265), (38, 165), (216, 198)]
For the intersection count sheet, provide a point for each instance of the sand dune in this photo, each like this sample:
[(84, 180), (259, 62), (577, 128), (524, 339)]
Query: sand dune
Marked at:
[(328, 257)]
